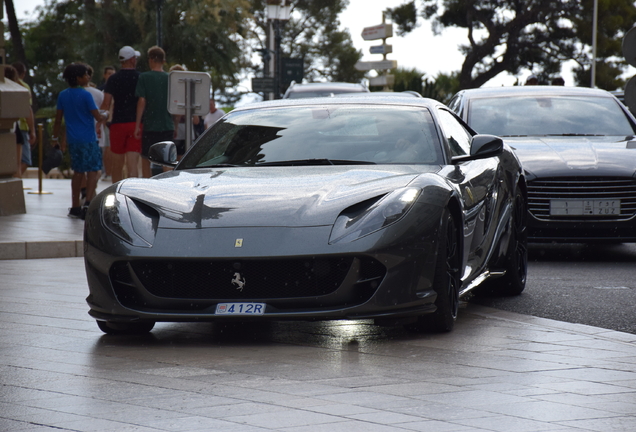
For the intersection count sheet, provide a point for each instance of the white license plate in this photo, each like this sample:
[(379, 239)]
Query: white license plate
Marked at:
[(240, 309), (585, 207)]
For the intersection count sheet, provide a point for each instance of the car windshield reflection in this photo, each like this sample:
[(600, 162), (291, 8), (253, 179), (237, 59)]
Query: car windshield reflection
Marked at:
[(551, 116), (321, 135)]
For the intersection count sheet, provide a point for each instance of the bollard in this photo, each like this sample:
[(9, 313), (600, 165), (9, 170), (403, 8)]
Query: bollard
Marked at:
[(40, 160)]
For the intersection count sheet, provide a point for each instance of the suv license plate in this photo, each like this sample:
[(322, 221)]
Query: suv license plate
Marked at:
[(240, 309), (585, 207)]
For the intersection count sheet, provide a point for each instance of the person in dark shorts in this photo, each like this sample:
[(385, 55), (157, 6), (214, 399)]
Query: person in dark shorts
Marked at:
[(152, 107), (77, 107), (120, 87)]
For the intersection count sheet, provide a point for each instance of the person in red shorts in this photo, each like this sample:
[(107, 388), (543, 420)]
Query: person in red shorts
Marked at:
[(120, 87)]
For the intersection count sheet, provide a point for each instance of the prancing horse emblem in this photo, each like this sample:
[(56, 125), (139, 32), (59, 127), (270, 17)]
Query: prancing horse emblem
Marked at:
[(238, 281)]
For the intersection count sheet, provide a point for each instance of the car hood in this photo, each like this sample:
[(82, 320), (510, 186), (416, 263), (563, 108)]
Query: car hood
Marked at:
[(266, 196), (576, 156)]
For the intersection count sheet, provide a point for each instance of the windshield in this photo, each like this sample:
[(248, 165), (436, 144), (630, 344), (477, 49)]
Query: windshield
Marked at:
[(548, 115), (322, 135)]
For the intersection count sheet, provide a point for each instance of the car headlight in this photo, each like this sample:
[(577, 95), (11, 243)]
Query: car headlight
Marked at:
[(132, 222), (361, 220)]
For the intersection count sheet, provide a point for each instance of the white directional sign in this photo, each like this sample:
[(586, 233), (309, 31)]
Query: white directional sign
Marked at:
[(382, 80), (380, 31), (381, 49), (381, 65)]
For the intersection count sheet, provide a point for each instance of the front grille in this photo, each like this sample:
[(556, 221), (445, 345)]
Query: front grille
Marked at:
[(255, 279), (542, 191)]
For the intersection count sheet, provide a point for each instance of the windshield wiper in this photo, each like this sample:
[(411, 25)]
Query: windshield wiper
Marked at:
[(512, 136), (574, 134), (221, 165), (304, 162)]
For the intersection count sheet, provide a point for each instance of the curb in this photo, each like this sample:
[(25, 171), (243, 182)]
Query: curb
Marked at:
[(41, 249)]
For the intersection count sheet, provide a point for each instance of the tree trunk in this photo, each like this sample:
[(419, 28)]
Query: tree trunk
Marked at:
[(16, 36)]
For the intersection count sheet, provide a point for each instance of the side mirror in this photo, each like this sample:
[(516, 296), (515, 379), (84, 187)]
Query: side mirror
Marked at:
[(482, 147), (163, 153)]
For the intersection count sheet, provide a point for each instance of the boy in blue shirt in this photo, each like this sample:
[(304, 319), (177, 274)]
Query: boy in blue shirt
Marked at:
[(77, 107)]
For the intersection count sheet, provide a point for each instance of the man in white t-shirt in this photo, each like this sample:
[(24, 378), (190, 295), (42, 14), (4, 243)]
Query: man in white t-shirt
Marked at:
[(213, 116)]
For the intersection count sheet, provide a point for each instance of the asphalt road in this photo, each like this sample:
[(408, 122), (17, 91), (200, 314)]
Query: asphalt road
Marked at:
[(584, 284)]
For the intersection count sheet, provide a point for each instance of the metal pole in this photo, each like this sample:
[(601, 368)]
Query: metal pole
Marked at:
[(594, 31), (189, 100), (159, 21), (278, 60), (40, 160)]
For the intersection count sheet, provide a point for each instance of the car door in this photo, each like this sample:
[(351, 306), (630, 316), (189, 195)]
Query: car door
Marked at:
[(478, 183)]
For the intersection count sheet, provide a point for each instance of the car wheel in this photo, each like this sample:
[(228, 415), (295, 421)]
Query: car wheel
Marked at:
[(513, 282), (446, 282), (113, 328)]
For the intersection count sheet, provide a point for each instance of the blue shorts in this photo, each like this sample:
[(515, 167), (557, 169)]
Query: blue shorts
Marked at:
[(26, 148), (85, 157)]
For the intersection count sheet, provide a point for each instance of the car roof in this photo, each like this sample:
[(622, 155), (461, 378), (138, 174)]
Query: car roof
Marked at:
[(533, 91), (325, 86), (406, 93), (406, 100)]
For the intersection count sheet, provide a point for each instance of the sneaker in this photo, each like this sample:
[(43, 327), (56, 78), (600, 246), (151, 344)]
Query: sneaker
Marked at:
[(84, 210), (75, 212), (83, 196)]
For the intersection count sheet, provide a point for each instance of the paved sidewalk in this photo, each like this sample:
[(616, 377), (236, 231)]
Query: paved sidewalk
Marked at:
[(497, 371), (45, 231)]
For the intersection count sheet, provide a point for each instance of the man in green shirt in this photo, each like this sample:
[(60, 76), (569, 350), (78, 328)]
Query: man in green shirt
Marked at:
[(154, 123)]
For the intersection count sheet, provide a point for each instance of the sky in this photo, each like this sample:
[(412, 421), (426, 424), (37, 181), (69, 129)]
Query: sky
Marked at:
[(420, 49)]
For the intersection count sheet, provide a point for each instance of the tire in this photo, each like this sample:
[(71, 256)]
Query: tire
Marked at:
[(113, 328), (446, 282), (513, 282)]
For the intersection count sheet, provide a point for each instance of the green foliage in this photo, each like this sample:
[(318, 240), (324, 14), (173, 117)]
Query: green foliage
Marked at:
[(615, 18), (203, 35), (504, 35), (313, 34), (407, 79), (442, 88), (404, 17), (215, 36)]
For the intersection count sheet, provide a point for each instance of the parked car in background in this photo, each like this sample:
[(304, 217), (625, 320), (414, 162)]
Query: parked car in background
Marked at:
[(326, 208), (328, 89), (578, 149)]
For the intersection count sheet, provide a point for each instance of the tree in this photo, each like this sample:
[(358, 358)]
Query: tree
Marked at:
[(441, 88), (313, 34), (16, 35), (615, 18), (503, 35), (204, 35)]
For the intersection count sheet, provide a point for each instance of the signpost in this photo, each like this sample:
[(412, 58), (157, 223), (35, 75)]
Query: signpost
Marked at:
[(189, 94), (386, 80), (377, 65), (263, 85), (381, 49), (380, 31)]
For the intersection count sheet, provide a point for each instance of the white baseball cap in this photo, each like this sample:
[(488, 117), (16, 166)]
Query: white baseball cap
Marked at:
[(127, 53)]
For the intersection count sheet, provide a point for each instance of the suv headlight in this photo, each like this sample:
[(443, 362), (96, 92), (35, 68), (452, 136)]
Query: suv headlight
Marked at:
[(359, 221), (132, 222)]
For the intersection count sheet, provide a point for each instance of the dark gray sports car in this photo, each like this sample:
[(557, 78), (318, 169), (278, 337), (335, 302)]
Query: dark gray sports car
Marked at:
[(383, 208), (578, 150)]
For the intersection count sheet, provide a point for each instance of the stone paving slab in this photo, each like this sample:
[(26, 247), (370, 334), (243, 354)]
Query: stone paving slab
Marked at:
[(497, 371), (45, 231)]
